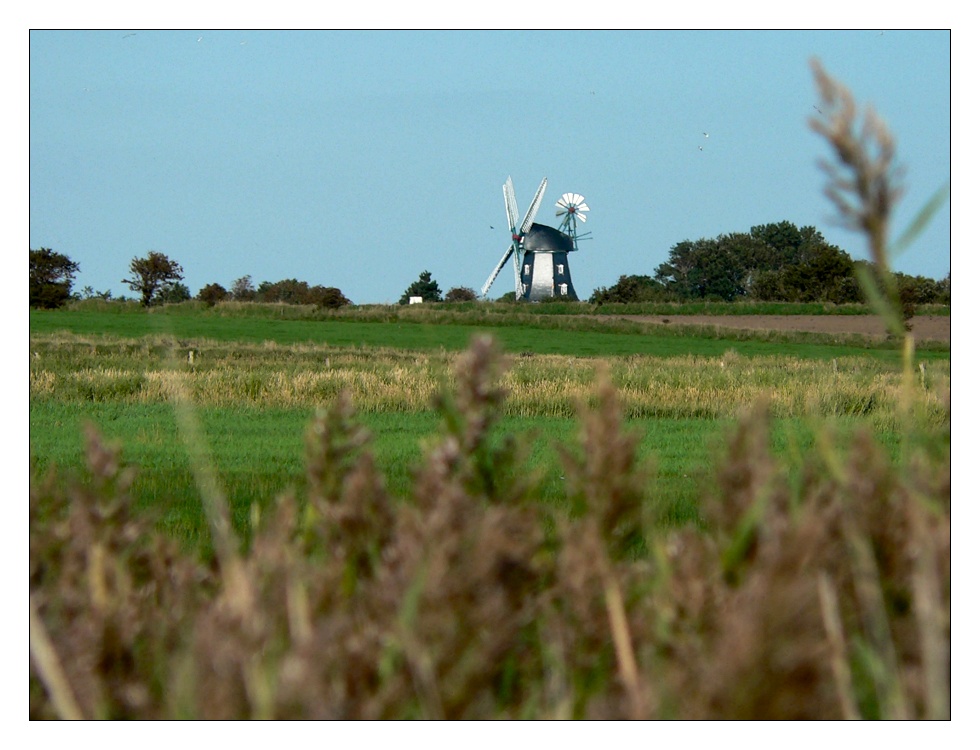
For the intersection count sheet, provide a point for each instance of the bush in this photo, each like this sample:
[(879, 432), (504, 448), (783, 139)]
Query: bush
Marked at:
[(328, 297), (293, 292), (212, 294), (460, 294)]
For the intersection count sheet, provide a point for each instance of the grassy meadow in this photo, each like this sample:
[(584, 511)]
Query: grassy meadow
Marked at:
[(256, 383)]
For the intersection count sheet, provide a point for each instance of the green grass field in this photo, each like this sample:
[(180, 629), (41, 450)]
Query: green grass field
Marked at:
[(451, 327), (259, 454), (257, 382)]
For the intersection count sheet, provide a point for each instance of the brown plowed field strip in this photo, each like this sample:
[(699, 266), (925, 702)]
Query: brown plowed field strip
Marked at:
[(924, 327)]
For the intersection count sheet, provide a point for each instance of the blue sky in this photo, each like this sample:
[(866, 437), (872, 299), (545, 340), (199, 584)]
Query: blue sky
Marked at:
[(360, 159)]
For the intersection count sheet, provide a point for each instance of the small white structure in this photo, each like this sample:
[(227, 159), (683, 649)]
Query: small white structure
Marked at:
[(415, 300)]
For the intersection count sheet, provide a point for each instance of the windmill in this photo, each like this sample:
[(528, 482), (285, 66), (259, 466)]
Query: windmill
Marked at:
[(517, 232), (540, 253)]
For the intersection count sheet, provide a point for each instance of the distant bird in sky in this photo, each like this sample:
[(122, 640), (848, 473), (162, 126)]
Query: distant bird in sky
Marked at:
[(200, 38), (705, 135), (700, 148)]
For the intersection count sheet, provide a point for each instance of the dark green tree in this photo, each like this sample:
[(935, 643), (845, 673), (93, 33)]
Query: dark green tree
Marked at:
[(173, 292), (705, 269), (426, 288), (772, 262), (329, 297), (242, 289), (212, 294), (778, 245), (945, 291), (290, 291), (294, 292), (922, 290), (148, 275), (817, 275), (51, 277)]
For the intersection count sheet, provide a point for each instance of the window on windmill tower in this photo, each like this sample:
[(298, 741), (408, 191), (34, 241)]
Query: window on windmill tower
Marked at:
[(561, 268), (527, 268), (563, 288)]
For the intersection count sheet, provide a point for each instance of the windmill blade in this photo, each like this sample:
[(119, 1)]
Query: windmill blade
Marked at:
[(510, 205), (572, 204), (533, 208), (493, 276)]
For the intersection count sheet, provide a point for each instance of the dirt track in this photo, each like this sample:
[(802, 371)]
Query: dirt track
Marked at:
[(925, 327)]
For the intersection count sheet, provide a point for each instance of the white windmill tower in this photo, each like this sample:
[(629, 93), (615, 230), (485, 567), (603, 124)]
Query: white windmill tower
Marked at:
[(517, 233)]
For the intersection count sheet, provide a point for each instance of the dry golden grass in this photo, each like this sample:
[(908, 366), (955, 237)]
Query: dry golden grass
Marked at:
[(72, 368)]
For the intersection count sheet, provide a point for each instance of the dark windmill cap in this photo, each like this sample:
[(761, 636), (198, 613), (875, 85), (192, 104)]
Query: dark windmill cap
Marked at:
[(543, 239)]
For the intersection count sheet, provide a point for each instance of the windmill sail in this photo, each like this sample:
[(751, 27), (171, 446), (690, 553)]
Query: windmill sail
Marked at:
[(517, 232), (533, 208), (510, 205), (532, 211), (493, 276)]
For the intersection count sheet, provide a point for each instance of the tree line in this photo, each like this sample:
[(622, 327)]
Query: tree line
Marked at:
[(769, 263), (158, 279)]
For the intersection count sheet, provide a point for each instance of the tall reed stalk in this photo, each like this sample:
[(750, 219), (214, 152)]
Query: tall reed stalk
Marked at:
[(865, 184)]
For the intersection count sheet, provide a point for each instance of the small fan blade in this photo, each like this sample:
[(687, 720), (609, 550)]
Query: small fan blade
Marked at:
[(572, 201)]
